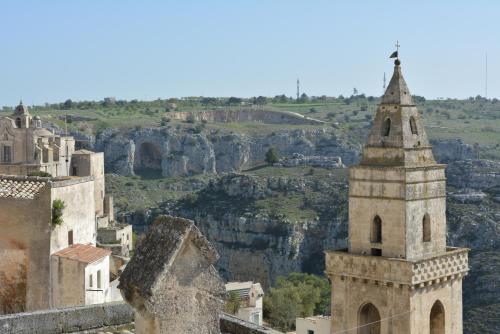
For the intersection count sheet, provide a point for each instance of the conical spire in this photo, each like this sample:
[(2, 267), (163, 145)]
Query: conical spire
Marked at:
[(398, 136), (397, 92)]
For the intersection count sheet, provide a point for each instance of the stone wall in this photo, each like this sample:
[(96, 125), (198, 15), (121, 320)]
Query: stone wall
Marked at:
[(245, 115), (87, 318), (67, 320), (232, 325)]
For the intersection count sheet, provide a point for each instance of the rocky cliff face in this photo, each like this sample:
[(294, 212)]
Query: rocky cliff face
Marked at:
[(180, 151), (261, 244), (449, 150), (258, 238)]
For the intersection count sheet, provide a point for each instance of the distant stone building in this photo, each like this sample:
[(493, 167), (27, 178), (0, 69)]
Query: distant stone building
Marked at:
[(398, 275), (26, 147), (313, 325), (116, 237), (109, 100), (171, 282), (34, 271), (251, 300)]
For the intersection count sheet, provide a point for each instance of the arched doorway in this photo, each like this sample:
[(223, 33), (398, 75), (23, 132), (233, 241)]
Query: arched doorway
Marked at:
[(369, 320), (147, 162), (437, 318)]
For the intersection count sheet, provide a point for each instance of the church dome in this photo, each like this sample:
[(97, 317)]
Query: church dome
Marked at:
[(21, 109)]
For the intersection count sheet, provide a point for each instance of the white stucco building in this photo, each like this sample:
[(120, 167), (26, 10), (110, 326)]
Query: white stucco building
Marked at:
[(251, 299), (313, 325), (80, 276)]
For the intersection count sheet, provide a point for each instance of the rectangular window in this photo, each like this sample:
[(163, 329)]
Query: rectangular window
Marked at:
[(376, 252), (7, 157), (256, 318), (90, 281), (70, 237), (310, 331), (98, 279)]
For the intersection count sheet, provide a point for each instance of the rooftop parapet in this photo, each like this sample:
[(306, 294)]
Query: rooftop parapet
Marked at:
[(28, 187), (414, 273)]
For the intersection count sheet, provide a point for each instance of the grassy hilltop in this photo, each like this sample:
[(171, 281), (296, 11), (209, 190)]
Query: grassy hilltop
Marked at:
[(475, 120)]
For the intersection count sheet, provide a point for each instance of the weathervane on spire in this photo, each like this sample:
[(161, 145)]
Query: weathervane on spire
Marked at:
[(395, 54)]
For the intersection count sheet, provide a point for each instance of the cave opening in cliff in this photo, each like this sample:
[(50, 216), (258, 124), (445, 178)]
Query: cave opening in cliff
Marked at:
[(147, 162)]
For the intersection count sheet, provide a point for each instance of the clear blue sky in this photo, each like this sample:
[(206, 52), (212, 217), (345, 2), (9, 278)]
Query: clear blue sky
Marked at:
[(85, 49)]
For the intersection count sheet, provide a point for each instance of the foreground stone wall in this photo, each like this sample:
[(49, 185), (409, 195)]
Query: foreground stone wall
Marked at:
[(87, 318), (67, 320), (232, 325)]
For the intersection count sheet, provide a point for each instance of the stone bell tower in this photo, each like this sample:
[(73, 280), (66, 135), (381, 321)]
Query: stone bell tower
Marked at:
[(398, 275)]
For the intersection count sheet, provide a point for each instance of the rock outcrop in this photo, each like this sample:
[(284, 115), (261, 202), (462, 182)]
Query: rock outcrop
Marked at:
[(449, 150), (475, 174), (175, 152)]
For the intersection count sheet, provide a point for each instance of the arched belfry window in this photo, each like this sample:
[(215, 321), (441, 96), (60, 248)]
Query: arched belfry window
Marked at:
[(386, 127), (413, 126), (426, 228), (18, 122), (437, 319), (376, 233)]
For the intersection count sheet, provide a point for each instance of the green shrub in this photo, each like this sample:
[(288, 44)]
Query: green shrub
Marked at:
[(40, 173), (57, 212), (272, 156), (232, 304)]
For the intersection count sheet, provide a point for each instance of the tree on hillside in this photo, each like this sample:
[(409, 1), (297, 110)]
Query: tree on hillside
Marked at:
[(298, 295), (209, 101), (303, 98), (68, 104), (272, 156), (261, 100), (234, 101)]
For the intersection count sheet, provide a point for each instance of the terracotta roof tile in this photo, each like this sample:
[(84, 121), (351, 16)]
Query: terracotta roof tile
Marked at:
[(83, 253), (11, 188)]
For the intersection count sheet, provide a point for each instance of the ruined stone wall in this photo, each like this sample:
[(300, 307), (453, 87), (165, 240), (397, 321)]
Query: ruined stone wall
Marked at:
[(188, 289)]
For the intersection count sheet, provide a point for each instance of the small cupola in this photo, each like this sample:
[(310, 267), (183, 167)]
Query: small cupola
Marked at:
[(22, 116), (21, 109)]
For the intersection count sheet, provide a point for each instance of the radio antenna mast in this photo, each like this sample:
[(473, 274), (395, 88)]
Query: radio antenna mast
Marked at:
[(486, 75)]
